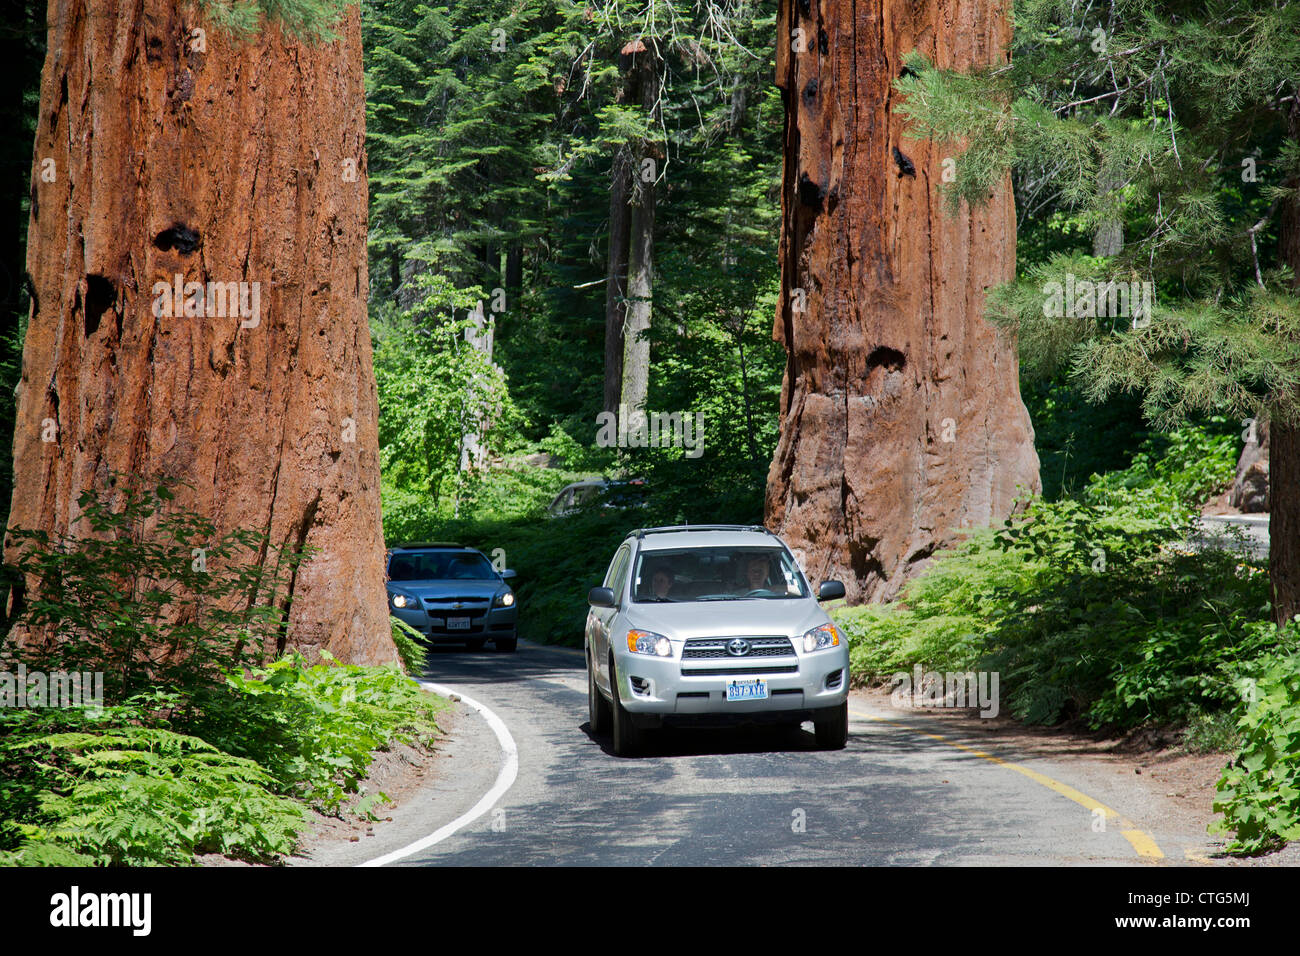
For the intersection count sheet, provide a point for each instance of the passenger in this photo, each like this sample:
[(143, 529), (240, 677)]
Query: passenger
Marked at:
[(662, 584)]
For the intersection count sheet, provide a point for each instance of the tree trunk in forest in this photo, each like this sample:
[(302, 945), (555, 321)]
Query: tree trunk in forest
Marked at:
[(620, 185), (1284, 440), (240, 166), (1108, 239), (640, 252), (901, 412), (514, 276)]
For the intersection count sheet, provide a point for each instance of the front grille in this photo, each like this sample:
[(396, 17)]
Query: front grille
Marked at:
[(738, 671), (715, 648)]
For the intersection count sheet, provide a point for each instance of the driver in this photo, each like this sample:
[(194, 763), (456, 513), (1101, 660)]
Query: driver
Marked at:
[(756, 572), (661, 583)]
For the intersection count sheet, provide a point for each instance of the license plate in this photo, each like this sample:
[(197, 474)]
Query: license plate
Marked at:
[(747, 690), (458, 624)]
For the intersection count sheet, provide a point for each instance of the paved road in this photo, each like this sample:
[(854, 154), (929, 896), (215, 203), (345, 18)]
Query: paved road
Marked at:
[(1245, 533), (763, 797)]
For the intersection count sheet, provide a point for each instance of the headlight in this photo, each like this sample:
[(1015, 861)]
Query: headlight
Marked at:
[(820, 638), (648, 642), (504, 600), (405, 601)]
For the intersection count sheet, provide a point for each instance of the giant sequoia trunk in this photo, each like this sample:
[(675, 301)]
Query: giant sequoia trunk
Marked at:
[(183, 154), (901, 411)]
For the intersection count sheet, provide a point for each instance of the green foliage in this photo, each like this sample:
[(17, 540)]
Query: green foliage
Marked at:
[(148, 593), (1168, 123), (190, 760), (306, 19), (407, 641), (492, 129), (435, 388), (1259, 792), (224, 770), (1089, 608), (314, 728), (1211, 732), (1075, 438), (112, 792)]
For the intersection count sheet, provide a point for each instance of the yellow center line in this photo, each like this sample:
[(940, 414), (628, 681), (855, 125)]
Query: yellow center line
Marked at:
[(1139, 839)]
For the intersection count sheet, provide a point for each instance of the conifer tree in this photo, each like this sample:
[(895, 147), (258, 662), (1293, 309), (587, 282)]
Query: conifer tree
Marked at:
[(1191, 114)]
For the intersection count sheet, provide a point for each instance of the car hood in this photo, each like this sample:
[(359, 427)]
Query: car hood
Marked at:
[(728, 618), (448, 590)]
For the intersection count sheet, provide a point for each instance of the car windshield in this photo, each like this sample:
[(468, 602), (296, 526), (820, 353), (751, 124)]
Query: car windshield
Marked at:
[(716, 574), (440, 566)]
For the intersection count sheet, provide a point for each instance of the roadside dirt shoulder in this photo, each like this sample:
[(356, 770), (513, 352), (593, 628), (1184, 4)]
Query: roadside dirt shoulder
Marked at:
[(1177, 788)]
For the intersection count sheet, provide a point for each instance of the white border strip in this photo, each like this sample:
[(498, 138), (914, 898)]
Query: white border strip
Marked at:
[(505, 780)]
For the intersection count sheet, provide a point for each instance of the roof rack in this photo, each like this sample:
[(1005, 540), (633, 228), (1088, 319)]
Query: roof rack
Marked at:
[(642, 532), (426, 544)]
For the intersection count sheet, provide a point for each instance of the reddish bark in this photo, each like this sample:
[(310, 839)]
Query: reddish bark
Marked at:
[(888, 351), (243, 162)]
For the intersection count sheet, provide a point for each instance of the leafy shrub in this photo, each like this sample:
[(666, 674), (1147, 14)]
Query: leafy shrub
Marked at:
[(407, 639), (166, 775), (151, 595), (314, 728), (1211, 732), (1259, 792), (112, 792), (1088, 607)]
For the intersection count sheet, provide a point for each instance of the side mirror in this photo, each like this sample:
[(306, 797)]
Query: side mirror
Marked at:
[(601, 597), (507, 575), (830, 591)]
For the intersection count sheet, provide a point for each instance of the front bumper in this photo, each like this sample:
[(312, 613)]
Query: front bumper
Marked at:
[(661, 689), (484, 623)]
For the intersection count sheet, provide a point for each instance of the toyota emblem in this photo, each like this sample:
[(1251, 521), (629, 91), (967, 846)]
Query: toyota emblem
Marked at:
[(738, 647)]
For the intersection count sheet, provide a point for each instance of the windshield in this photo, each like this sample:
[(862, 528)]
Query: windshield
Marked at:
[(440, 566), (716, 574)]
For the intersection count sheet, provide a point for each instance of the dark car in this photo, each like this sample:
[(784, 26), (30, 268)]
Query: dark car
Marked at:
[(601, 494), (451, 593)]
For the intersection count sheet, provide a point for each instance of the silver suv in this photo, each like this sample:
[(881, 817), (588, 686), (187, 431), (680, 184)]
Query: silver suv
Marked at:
[(716, 624)]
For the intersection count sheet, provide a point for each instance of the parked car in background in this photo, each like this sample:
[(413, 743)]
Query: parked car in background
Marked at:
[(451, 593), (712, 623), (600, 493)]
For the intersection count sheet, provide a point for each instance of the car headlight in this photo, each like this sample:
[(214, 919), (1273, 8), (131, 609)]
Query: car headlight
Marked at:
[(820, 638), (405, 601), (504, 600), (648, 642)]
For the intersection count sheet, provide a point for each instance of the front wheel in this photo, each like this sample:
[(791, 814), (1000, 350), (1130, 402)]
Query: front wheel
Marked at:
[(598, 712), (627, 735), (506, 645), (831, 727)]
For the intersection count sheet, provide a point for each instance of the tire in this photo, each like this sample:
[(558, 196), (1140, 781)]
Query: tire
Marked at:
[(627, 736), (831, 727), (476, 644), (599, 714), (506, 645)]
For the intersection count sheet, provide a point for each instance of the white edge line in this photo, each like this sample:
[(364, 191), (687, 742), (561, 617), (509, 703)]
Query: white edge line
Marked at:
[(505, 780)]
